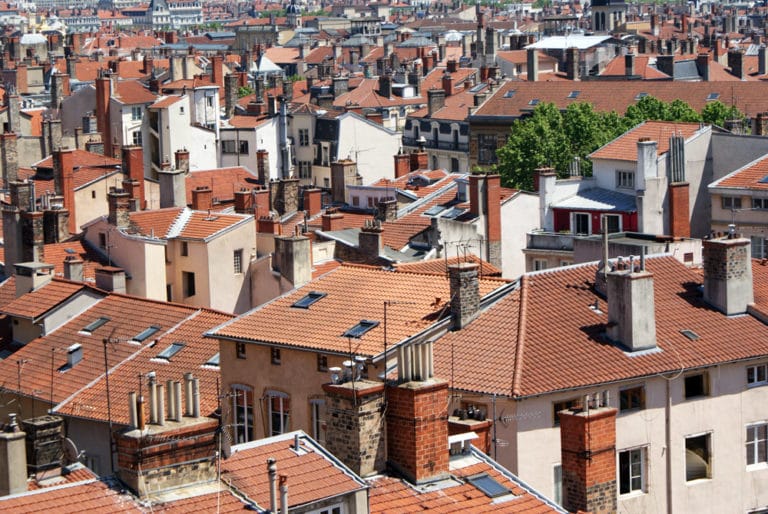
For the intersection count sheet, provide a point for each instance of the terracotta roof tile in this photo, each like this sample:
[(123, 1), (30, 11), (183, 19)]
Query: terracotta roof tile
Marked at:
[(81, 158), (354, 293), (157, 221), (202, 225), (223, 182), (624, 147), (36, 303), (133, 92), (440, 266), (94, 497), (55, 253), (79, 473), (564, 348), (751, 176), (167, 101)]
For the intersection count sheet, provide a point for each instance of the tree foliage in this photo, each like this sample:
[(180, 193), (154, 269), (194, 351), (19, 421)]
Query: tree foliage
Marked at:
[(554, 138)]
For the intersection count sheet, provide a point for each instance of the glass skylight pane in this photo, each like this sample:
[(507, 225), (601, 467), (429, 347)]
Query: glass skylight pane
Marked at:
[(213, 361), (95, 324), (171, 351), (361, 328), (488, 485), (309, 299), (146, 334)]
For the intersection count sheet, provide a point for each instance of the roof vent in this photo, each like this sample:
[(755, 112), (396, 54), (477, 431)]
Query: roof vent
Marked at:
[(74, 354)]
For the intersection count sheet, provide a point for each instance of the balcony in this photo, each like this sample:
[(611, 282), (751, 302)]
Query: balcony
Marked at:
[(549, 241), (440, 145)]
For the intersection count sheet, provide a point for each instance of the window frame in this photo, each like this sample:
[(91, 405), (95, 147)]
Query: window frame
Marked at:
[(240, 350), (317, 419), (756, 374), (486, 152), (625, 179), (758, 247), (284, 412), (758, 461), (730, 202), (322, 362), (708, 439), (274, 356), (137, 113), (574, 227), (705, 386), (303, 137), (632, 390), (245, 418), (619, 225), (136, 138), (540, 264), (760, 204), (189, 287), (237, 261), (632, 476), (562, 405)]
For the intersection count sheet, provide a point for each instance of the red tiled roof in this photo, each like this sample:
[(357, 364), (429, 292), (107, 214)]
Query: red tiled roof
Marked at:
[(93, 497), (624, 147), (527, 347), (128, 317), (55, 253), (751, 176), (77, 474), (354, 293), (440, 266), (167, 101), (196, 352), (223, 182), (82, 158), (157, 221), (202, 225), (36, 303), (311, 475), (133, 92)]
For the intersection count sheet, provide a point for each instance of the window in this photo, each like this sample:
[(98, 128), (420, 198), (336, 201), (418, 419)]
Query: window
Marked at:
[(137, 112), (560, 406), (184, 249), (309, 299), (233, 147), (237, 261), (242, 410), (758, 247), (731, 202), (757, 375), (240, 349), (146, 334), (275, 356), (696, 385), (632, 398), (760, 203), (632, 471), (580, 223), (698, 457), (454, 165), (539, 264), (317, 407), (339, 509), (209, 101), (361, 328), (757, 442), (558, 484), (486, 148), (625, 179), (303, 137), (614, 223), (213, 361), (322, 362), (171, 350), (188, 280), (279, 412), (92, 326), (305, 169), (102, 240), (325, 153), (488, 485), (136, 137)]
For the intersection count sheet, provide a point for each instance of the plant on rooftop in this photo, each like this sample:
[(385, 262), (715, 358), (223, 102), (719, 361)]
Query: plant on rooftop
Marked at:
[(244, 91)]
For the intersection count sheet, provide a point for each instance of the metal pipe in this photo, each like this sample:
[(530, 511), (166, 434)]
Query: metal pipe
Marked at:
[(272, 472), (171, 403), (188, 394), (152, 401), (177, 400), (132, 415), (160, 404), (406, 377), (196, 397)]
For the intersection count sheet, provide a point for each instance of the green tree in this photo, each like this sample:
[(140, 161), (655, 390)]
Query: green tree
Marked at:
[(717, 112), (681, 111), (534, 142), (647, 108), (244, 91)]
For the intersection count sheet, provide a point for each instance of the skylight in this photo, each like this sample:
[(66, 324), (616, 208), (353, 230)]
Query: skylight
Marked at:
[(510, 93), (309, 299), (213, 361), (453, 213), (488, 485), (711, 97), (361, 328), (171, 350), (146, 334), (764, 180), (640, 96), (434, 210), (574, 94), (90, 327), (690, 334), (534, 101)]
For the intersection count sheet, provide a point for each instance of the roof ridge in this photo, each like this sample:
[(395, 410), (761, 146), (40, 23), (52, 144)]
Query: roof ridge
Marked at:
[(179, 223)]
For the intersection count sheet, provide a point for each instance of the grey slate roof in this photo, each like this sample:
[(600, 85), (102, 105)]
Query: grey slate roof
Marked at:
[(598, 199)]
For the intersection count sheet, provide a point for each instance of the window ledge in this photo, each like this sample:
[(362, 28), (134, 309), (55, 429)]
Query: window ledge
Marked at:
[(757, 467), (757, 384), (632, 494), (698, 481)]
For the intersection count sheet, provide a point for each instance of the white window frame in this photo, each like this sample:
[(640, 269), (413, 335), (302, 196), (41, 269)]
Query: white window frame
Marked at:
[(303, 137), (338, 508), (756, 370), (573, 223), (137, 113), (760, 203), (540, 264), (753, 447), (241, 392), (729, 202), (709, 451), (633, 474), (317, 406), (618, 216), (625, 179), (758, 247), (136, 138), (285, 414)]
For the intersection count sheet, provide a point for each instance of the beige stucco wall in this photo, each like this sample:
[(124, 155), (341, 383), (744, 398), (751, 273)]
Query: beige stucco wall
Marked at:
[(230, 291)]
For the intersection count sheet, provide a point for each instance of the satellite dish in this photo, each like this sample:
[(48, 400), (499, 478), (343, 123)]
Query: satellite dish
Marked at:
[(71, 455)]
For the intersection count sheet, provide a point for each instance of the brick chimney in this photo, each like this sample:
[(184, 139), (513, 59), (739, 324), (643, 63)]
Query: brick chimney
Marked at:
[(284, 195), (332, 221), (759, 124), (762, 60), (231, 86), (293, 259), (435, 101), (702, 66), (73, 268), (419, 160), (447, 83), (202, 198), (369, 240), (588, 447), (119, 208), (631, 311), (728, 274), (678, 189), (9, 156), (133, 165), (182, 159), (385, 85), (13, 459), (343, 174), (110, 278), (262, 166), (354, 424), (629, 65), (313, 199), (532, 65), (64, 182), (572, 63), (402, 164), (485, 203), (387, 210), (736, 63), (465, 293), (417, 418), (103, 93), (217, 70), (244, 201), (44, 445)]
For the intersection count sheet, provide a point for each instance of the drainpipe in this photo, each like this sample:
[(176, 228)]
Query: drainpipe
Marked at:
[(285, 165), (668, 443)]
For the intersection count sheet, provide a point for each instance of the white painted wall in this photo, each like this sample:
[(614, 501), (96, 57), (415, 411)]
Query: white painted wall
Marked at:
[(372, 146), (519, 215)]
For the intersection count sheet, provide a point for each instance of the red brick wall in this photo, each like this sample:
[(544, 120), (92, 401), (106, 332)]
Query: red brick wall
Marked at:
[(313, 201), (402, 164), (588, 445), (417, 428), (419, 161), (679, 223), (133, 164), (102, 112), (202, 198), (67, 165)]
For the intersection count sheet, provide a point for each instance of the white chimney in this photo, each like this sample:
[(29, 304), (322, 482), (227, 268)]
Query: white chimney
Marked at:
[(74, 354), (728, 274), (631, 306)]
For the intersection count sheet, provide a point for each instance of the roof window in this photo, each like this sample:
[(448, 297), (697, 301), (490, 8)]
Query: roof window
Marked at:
[(510, 93), (534, 101), (640, 96), (361, 328), (711, 97), (309, 299), (145, 334), (171, 350), (690, 334), (488, 485), (213, 361), (574, 94), (92, 326)]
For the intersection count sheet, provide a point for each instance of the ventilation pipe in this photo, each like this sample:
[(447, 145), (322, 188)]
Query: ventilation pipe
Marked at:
[(272, 470), (132, 413), (188, 394), (196, 397), (283, 494), (140, 412), (415, 362), (170, 400), (177, 401), (160, 404), (152, 398)]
